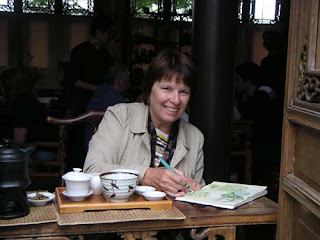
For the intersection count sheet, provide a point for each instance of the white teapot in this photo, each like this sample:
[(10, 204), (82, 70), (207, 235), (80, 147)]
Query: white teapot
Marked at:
[(95, 184)]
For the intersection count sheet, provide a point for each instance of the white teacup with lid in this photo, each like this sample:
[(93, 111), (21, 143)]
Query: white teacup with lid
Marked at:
[(77, 182)]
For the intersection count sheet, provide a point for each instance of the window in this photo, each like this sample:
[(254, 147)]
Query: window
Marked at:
[(145, 8), (183, 7), (259, 11), (38, 6), (69, 7), (6, 6), (77, 7), (183, 10), (265, 11), (240, 10), (176, 10)]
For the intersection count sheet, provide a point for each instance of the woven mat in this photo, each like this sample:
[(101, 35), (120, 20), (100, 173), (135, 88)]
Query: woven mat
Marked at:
[(44, 214), (114, 216)]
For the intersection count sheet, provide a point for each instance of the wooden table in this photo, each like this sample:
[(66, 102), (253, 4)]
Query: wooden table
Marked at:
[(212, 221)]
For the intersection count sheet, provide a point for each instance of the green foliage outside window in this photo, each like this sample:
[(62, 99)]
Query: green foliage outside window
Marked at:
[(182, 6), (37, 3), (45, 3), (151, 4), (70, 7), (74, 4), (78, 7)]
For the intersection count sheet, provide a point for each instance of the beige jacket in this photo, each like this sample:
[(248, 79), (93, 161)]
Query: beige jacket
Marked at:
[(122, 141)]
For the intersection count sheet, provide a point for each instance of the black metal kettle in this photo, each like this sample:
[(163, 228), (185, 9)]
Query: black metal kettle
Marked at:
[(13, 166), (14, 179)]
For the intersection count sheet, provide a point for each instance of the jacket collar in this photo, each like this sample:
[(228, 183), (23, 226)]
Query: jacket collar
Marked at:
[(182, 145), (140, 119), (139, 126)]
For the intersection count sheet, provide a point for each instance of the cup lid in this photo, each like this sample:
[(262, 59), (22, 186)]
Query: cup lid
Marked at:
[(76, 175)]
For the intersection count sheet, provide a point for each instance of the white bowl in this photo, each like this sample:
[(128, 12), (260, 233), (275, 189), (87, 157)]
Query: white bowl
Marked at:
[(142, 189), (154, 196), (40, 202), (77, 198), (118, 186), (118, 197), (126, 171), (77, 182)]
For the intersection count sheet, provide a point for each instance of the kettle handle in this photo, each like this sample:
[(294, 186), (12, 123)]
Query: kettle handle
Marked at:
[(5, 142), (28, 149)]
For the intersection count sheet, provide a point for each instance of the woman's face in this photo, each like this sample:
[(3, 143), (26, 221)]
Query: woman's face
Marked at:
[(168, 101)]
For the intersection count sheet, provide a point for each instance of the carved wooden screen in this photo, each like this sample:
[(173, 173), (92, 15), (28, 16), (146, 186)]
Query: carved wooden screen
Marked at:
[(308, 88), (299, 197)]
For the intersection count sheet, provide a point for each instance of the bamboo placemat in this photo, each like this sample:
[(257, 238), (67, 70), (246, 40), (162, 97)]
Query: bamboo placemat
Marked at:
[(115, 216), (43, 214)]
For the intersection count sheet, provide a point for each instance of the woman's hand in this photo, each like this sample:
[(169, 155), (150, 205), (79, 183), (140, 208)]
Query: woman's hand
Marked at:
[(168, 182), (195, 186)]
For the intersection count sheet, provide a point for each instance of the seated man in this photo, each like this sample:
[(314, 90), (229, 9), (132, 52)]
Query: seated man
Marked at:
[(116, 81)]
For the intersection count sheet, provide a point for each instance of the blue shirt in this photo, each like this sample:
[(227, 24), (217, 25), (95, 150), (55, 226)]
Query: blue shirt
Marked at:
[(103, 97)]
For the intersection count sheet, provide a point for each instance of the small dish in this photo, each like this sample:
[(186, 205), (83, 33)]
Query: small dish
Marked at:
[(142, 189), (77, 198), (154, 196), (42, 202)]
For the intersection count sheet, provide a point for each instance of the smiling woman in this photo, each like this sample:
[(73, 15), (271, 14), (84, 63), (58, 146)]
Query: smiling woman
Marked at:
[(168, 101), (136, 135)]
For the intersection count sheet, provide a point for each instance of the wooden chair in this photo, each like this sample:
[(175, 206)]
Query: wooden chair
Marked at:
[(47, 174), (45, 168), (241, 150), (91, 118), (43, 174)]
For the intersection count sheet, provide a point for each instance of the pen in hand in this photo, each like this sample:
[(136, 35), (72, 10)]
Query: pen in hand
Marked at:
[(172, 170)]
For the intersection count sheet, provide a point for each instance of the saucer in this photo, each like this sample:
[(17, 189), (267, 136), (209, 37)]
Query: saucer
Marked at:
[(154, 195), (142, 189), (41, 202), (77, 198)]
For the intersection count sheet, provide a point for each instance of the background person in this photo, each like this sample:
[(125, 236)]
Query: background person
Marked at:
[(264, 109), (28, 115), (135, 135), (273, 66), (89, 61), (116, 82)]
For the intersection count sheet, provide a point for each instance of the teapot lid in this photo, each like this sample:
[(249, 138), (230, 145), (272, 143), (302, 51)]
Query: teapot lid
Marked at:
[(76, 175), (8, 151)]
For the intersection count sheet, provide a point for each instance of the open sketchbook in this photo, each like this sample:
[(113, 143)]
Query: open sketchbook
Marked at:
[(225, 195)]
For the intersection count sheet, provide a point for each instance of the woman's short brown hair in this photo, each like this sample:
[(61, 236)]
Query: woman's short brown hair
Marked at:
[(166, 65)]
